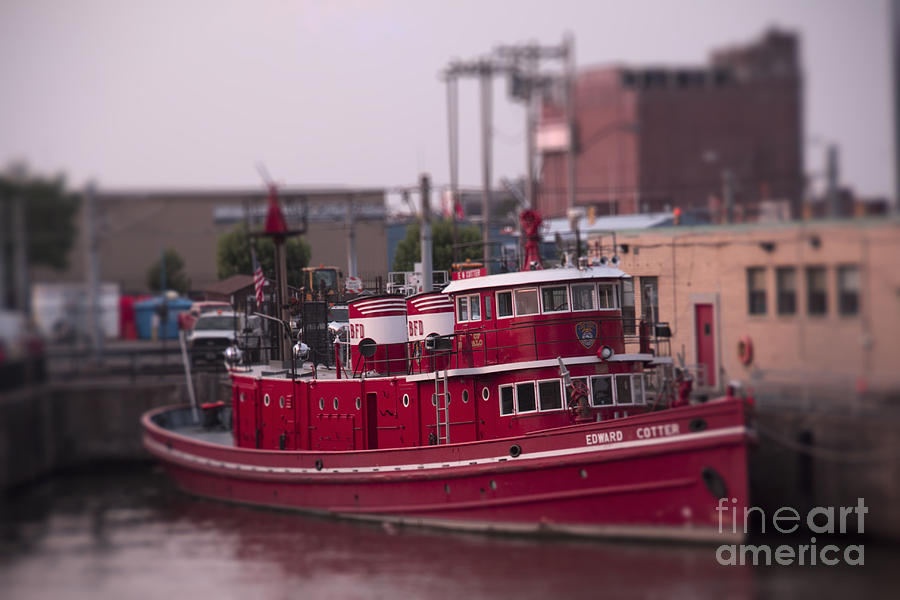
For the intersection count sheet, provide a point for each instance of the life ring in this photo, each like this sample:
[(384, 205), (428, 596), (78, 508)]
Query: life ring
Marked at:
[(745, 350)]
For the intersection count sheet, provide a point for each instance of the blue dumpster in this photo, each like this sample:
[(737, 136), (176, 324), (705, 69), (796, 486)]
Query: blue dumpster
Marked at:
[(146, 315)]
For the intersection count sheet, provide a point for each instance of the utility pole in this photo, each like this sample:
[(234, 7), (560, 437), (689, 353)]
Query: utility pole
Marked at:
[(92, 271), (728, 194), (351, 236), (832, 174), (453, 138), (530, 68), (487, 81), (425, 234), (569, 44), (20, 244)]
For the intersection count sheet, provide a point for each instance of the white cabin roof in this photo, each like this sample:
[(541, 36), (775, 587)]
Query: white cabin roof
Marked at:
[(541, 276)]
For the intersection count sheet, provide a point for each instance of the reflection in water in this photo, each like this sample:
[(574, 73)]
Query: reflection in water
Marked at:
[(128, 534)]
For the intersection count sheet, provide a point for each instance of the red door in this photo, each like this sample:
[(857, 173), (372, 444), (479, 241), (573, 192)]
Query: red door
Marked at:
[(706, 346)]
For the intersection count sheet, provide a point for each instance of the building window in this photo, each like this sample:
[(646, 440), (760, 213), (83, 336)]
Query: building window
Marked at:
[(786, 288), (628, 306), (555, 299), (816, 291), (602, 390), (550, 393), (583, 296), (756, 290), (506, 400), (504, 304), (525, 401), (650, 299), (526, 302), (468, 308), (607, 295), (848, 290)]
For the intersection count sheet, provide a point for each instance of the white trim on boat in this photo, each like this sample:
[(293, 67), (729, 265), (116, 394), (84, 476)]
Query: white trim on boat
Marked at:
[(518, 278), (164, 450), (517, 366)]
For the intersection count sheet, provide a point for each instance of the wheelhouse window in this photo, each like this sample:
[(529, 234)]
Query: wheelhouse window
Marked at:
[(624, 389), (756, 290), (550, 393), (816, 291), (504, 304), (607, 296), (584, 296), (526, 302), (525, 400), (602, 390), (507, 407), (555, 299), (786, 288), (848, 290), (468, 308)]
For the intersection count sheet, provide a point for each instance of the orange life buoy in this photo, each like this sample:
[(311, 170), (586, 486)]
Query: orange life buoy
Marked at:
[(745, 350)]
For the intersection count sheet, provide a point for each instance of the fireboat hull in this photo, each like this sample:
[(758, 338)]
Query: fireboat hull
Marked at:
[(660, 475)]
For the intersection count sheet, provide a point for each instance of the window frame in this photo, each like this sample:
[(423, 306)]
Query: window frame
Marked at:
[(565, 288), (516, 386), (594, 297), (780, 294), (614, 287), (627, 376), (512, 304), (537, 293), (468, 300), (752, 309), (500, 399), (562, 394), (842, 292), (809, 270), (609, 376)]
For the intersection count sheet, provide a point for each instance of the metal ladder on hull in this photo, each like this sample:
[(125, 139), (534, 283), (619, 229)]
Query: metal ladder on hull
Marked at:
[(442, 407)]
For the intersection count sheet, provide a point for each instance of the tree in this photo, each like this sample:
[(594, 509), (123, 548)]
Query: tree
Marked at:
[(50, 213), (176, 278), (233, 255), (409, 250)]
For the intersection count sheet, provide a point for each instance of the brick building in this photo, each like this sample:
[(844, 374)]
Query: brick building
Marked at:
[(818, 301), (648, 138)]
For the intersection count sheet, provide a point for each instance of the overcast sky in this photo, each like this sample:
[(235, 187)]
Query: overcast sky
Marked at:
[(193, 94)]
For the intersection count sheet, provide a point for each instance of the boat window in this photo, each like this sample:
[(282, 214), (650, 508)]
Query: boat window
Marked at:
[(506, 400), (462, 309), (607, 295), (526, 302), (583, 296), (623, 389), (468, 308), (525, 401), (266, 400), (504, 304), (465, 396), (487, 308), (555, 299), (584, 382), (475, 308), (638, 389), (602, 390), (550, 394)]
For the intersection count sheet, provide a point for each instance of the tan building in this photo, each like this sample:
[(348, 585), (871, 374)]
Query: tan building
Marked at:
[(816, 304), (133, 227)]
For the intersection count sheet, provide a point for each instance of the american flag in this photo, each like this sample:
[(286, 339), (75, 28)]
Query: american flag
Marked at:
[(259, 280)]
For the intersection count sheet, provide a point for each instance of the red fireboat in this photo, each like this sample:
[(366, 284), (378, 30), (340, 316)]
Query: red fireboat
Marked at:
[(509, 402)]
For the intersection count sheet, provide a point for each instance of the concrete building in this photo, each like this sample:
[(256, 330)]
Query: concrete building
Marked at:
[(653, 138), (133, 227), (816, 304)]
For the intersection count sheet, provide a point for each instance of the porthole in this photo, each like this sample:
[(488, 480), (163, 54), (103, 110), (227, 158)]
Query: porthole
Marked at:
[(465, 396), (405, 400), (281, 402), (321, 403), (358, 403), (493, 484), (434, 399), (266, 399), (241, 397), (335, 402), (485, 394)]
